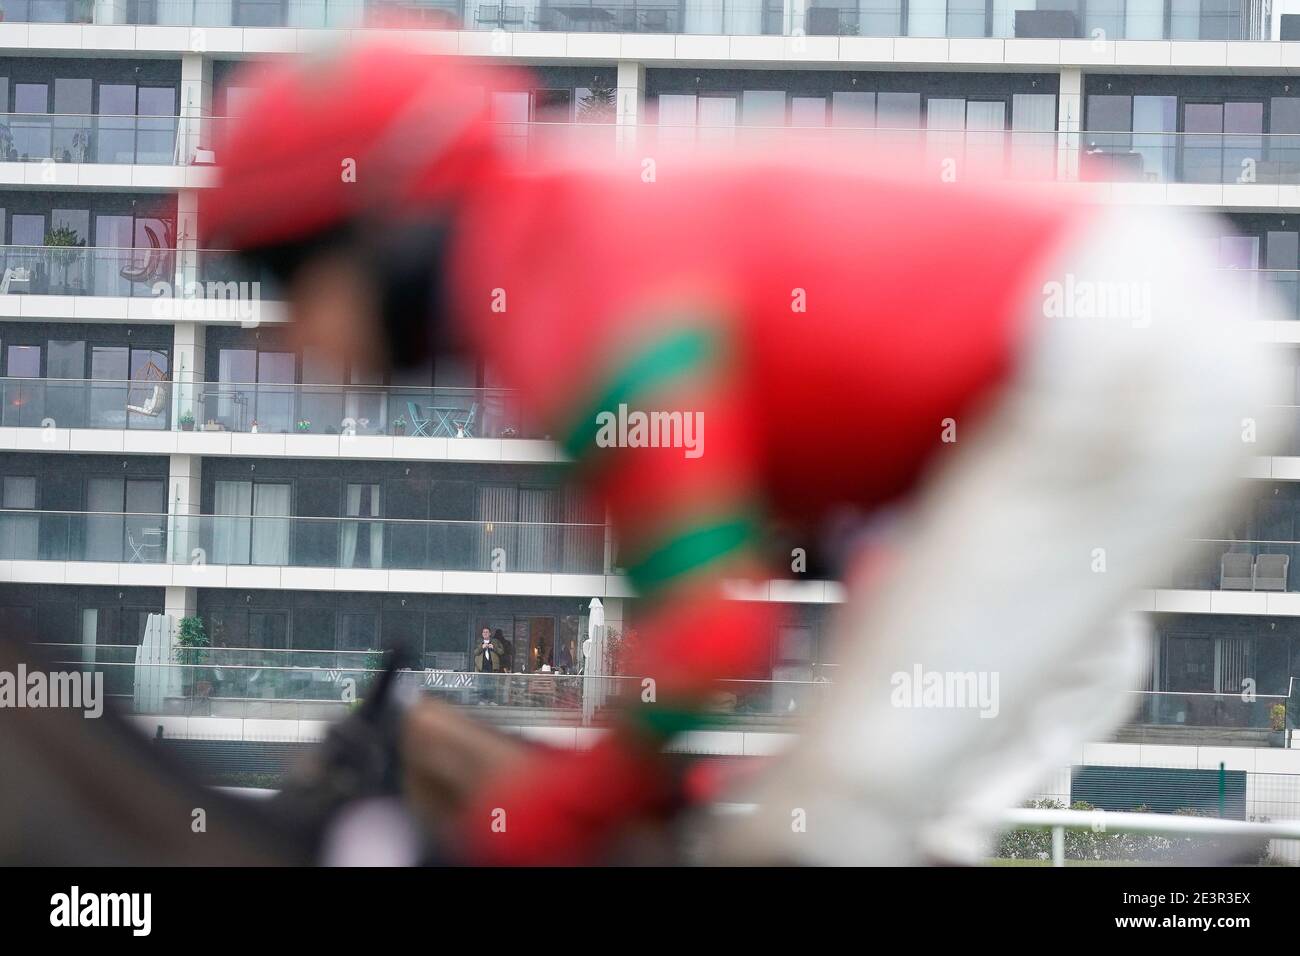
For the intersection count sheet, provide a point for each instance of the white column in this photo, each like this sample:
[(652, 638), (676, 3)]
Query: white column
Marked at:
[(629, 110), (185, 480), (181, 602), (195, 126), (193, 130), (189, 357), (1069, 120)]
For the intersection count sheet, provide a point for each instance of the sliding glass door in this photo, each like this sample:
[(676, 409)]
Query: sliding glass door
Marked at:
[(251, 523)]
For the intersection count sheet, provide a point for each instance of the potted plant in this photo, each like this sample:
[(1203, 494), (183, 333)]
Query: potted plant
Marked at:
[(190, 652), (66, 243), (304, 425), (509, 432), (1277, 724), (80, 144), (187, 421), (399, 425), (255, 426)]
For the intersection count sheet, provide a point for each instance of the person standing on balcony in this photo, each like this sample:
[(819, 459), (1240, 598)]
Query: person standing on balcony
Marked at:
[(488, 660), (1054, 393)]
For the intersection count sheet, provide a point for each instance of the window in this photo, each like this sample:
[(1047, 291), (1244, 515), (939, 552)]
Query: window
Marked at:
[(18, 533), (125, 520), (808, 111), (363, 541), (251, 523), (1033, 143), (32, 134)]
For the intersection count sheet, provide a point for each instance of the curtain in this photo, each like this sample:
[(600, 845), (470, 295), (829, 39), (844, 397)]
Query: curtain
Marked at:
[(676, 117), (927, 18), (270, 541), (537, 535), (104, 528), (986, 123), (743, 17), (1155, 120), (703, 16), (1144, 20), (89, 632), (1004, 15), (232, 503), (19, 533), (945, 123), (363, 501), (717, 119), (497, 508), (1033, 138)]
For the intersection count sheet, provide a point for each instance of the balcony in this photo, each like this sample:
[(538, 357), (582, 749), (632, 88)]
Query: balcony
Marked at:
[(344, 411), (216, 280), (270, 683), (360, 543), (1149, 20), (81, 138)]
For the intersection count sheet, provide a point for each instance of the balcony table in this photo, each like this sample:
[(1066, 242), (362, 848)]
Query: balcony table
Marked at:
[(442, 418)]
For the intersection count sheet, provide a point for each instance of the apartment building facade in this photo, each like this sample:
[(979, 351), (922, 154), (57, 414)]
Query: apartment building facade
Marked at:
[(163, 449)]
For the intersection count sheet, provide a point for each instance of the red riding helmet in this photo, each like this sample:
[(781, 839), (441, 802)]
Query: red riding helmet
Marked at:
[(369, 133)]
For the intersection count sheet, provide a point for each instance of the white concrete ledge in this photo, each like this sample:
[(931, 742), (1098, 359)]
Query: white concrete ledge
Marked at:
[(684, 50), (137, 310), (142, 177), (390, 580), (94, 441)]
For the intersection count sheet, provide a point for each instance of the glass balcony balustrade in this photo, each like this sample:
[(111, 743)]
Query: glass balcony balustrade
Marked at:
[(287, 541), (883, 144), (81, 138), (316, 684), (1140, 20), (218, 282), (343, 411)]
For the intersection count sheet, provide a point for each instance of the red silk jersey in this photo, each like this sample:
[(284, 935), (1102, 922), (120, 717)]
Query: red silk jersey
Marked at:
[(823, 328)]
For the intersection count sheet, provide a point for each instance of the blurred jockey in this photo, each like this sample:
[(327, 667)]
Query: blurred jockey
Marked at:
[(1057, 391)]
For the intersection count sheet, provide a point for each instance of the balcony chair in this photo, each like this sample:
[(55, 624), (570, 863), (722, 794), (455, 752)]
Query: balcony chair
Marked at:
[(464, 426), (137, 549), (19, 274), (512, 16), (419, 426), (153, 405), (488, 14), (1270, 572), (1237, 572)]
